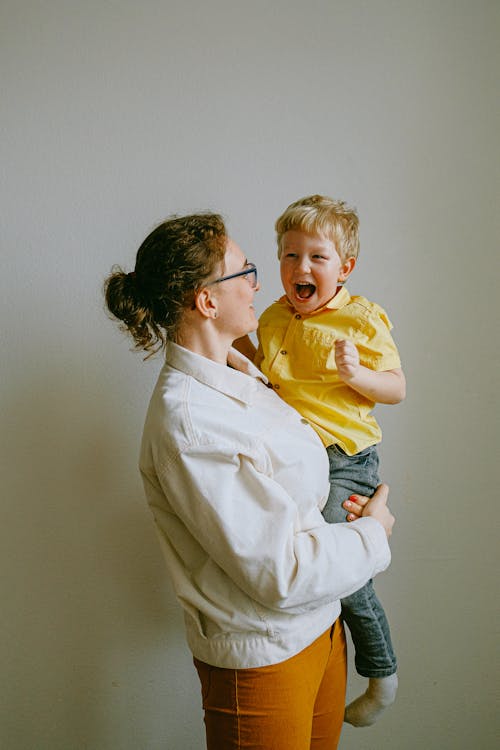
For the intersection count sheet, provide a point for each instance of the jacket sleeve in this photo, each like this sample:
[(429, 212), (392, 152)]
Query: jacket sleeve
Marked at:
[(239, 518)]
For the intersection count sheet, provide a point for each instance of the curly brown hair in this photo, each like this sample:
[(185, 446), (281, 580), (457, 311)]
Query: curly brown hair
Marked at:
[(172, 264)]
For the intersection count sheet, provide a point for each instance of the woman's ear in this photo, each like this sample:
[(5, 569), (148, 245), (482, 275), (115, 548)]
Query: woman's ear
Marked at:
[(206, 302), (346, 268)]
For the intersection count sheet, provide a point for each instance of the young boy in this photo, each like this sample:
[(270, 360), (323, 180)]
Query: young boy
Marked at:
[(331, 356)]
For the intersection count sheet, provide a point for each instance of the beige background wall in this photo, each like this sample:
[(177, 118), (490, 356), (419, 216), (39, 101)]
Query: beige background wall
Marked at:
[(117, 113)]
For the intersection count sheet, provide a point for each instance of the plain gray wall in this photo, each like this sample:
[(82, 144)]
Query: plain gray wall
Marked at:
[(116, 114)]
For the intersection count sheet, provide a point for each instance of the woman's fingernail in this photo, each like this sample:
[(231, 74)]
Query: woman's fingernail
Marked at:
[(347, 504)]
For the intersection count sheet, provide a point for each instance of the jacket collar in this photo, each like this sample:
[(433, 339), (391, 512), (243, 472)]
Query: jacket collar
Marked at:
[(239, 379)]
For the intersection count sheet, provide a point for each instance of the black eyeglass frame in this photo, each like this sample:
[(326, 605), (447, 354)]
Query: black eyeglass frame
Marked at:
[(252, 268)]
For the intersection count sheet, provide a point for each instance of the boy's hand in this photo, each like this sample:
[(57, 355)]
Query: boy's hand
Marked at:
[(346, 359), (380, 386)]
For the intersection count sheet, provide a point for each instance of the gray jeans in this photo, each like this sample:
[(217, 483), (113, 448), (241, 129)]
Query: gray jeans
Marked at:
[(361, 611)]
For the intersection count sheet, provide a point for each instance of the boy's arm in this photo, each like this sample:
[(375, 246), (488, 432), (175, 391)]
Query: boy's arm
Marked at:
[(382, 386), (245, 346)]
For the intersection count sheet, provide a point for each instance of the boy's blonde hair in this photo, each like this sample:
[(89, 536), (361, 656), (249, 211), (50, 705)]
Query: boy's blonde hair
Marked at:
[(318, 214)]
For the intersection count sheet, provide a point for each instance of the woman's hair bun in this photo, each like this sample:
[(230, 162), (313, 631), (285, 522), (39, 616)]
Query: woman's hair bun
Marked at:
[(171, 264), (125, 303)]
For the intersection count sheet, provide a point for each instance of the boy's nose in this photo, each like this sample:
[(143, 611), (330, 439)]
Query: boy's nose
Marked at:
[(304, 264)]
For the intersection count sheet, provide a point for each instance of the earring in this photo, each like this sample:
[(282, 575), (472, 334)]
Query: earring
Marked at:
[(215, 314)]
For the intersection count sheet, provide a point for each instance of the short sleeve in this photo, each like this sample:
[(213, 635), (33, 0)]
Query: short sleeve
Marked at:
[(375, 344)]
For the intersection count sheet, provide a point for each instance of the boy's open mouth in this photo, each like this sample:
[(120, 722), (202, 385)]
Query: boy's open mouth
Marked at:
[(304, 291)]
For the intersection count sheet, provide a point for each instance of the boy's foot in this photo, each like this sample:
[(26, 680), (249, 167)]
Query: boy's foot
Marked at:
[(366, 709)]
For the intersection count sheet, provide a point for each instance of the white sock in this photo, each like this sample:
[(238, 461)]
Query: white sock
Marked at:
[(366, 709)]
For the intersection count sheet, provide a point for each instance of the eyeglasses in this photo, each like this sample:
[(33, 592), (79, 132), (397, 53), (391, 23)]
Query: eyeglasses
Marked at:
[(250, 271)]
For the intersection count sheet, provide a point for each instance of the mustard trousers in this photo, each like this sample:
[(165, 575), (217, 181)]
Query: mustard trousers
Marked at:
[(297, 704)]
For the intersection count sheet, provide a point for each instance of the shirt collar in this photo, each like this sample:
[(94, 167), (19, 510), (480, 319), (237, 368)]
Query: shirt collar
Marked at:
[(239, 380), (341, 299)]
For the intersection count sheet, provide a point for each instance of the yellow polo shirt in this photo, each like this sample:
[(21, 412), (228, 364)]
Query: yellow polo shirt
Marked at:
[(296, 353)]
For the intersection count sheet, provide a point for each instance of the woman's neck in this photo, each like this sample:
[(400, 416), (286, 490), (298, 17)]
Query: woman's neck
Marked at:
[(204, 340)]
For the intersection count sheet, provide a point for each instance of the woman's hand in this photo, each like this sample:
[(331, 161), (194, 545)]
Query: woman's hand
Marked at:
[(354, 506), (359, 506)]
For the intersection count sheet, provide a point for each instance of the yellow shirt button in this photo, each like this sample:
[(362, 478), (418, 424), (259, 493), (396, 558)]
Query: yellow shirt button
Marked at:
[(283, 352)]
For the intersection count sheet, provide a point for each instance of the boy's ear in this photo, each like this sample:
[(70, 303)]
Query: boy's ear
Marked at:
[(346, 268), (205, 303)]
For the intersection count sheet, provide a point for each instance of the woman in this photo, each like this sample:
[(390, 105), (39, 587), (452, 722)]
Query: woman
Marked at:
[(235, 480)]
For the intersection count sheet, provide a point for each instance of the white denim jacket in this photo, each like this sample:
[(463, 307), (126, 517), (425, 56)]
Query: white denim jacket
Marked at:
[(236, 480)]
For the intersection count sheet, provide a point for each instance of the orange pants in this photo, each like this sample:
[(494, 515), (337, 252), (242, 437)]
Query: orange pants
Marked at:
[(297, 704)]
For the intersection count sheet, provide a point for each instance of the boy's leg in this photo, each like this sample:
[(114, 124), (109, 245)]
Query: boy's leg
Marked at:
[(370, 632), (362, 611), (349, 475)]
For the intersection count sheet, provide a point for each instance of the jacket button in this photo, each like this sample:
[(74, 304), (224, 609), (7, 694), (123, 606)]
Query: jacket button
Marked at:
[(283, 352), (277, 386), (298, 316)]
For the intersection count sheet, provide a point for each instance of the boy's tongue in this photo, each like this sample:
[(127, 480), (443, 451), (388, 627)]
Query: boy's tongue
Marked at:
[(304, 291)]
